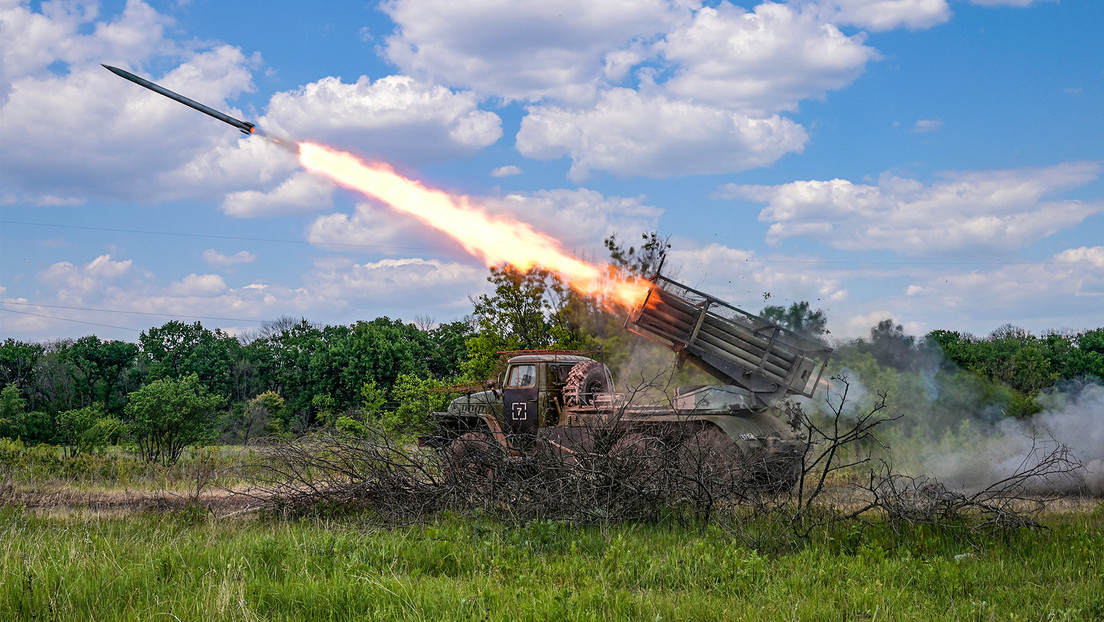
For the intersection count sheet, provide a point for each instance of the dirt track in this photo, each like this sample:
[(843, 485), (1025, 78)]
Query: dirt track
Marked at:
[(221, 503)]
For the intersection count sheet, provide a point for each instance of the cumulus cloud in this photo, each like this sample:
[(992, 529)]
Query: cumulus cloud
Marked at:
[(520, 50), (68, 32), (506, 171), (579, 218), (384, 286), (978, 298), (396, 118), (59, 110), (763, 60), (73, 282), (1001, 209), (741, 277), (371, 227), (631, 134), (879, 15), (216, 258), (1015, 3), (1087, 255), (301, 192), (198, 285)]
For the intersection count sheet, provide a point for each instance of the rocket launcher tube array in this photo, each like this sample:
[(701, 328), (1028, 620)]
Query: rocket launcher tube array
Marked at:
[(729, 343)]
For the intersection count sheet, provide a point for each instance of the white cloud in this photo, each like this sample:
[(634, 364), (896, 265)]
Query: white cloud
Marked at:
[(74, 282), (741, 278), (880, 15), (372, 227), (1020, 293), (387, 286), (68, 32), (579, 218), (1087, 255), (198, 285), (216, 258), (396, 118), (991, 209), (116, 140), (301, 192), (630, 134), (926, 125), (1015, 3), (506, 171), (523, 50), (764, 60)]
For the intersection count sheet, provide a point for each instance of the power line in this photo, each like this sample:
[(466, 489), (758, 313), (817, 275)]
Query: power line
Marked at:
[(65, 319), (194, 317), (212, 236)]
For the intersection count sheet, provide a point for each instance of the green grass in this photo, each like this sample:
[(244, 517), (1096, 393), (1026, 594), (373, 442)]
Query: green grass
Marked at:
[(184, 566), (115, 468)]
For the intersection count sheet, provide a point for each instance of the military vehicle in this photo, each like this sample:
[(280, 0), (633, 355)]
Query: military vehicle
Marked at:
[(563, 399)]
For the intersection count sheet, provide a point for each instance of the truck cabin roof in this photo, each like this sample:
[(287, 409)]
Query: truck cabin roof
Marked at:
[(550, 358)]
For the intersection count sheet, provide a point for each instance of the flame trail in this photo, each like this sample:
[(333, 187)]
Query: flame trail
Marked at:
[(496, 240)]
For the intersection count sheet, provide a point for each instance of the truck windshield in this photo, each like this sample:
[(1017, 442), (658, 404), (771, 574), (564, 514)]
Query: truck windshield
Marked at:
[(522, 376)]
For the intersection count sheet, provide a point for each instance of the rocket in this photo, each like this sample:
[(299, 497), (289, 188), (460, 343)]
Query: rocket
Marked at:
[(245, 126)]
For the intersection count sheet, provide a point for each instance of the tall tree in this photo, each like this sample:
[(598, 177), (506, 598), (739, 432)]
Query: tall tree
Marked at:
[(167, 415)]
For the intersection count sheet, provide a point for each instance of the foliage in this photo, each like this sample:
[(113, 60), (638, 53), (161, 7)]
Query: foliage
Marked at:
[(414, 403), (167, 415), (644, 261), (87, 429), (350, 426), (799, 318), (526, 312), (16, 422), (12, 408)]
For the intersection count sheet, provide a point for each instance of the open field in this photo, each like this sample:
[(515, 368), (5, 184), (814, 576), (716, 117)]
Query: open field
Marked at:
[(183, 564)]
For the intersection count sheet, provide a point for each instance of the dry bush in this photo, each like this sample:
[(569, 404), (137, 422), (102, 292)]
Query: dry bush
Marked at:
[(685, 472), (1011, 502)]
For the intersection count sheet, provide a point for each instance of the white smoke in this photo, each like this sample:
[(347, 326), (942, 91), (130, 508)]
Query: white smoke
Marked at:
[(1074, 418)]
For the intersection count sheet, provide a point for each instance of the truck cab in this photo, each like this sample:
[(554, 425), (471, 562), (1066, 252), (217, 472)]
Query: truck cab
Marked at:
[(527, 397)]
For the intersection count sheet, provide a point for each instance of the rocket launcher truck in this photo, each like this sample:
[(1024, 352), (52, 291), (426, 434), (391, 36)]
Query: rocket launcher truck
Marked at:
[(564, 399)]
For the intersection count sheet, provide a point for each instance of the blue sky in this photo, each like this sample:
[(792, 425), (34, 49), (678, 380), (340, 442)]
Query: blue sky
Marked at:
[(937, 162)]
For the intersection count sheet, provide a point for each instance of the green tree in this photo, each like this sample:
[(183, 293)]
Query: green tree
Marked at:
[(415, 402), (18, 361), (644, 261), (16, 422), (521, 315), (176, 349), (167, 415), (799, 318), (98, 369), (12, 409), (86, 429)]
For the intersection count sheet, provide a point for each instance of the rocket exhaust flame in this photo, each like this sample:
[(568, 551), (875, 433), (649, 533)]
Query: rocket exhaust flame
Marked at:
[(496, 240)]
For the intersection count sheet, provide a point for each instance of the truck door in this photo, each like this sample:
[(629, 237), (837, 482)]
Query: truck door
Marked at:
[(519, 397)]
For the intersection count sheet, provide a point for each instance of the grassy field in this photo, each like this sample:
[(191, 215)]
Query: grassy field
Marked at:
[(184, 565)]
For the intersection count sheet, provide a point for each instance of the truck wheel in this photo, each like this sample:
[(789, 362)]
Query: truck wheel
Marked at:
[(715, 462), (584, 381), (473, 454)]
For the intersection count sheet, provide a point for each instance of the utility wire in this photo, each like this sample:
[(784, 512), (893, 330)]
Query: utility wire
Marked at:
[(64, 319), (423, 248), (194, 317), (213, 236)]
